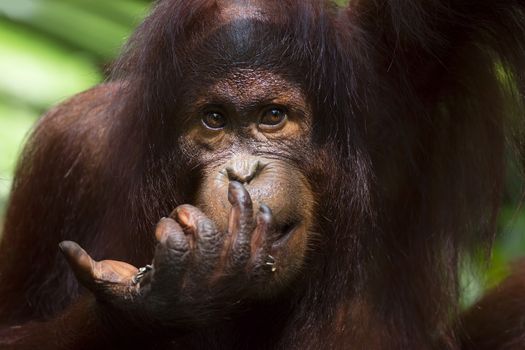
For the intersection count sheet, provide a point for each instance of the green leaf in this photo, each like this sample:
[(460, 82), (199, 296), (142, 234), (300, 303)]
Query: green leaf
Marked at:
[(71, 23), (39, 72)]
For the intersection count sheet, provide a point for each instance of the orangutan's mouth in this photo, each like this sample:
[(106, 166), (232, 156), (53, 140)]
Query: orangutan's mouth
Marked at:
[(285, 231)]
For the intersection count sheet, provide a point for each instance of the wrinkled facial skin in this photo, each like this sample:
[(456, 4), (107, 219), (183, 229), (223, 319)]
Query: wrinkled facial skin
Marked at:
[(260, 133)]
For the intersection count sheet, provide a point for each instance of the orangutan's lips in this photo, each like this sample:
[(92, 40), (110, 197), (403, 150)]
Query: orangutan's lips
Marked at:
[(285, 231)]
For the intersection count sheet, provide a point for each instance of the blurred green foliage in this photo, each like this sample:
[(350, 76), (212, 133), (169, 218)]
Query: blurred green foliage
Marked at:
[(52, 49)]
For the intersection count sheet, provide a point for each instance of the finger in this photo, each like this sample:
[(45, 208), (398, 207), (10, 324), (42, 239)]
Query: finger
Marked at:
[(106, 279), (80, 262), (173, 250), (241, 223), (261, 261), (261, 236), (164, 226), (207, 238), (115, 272)]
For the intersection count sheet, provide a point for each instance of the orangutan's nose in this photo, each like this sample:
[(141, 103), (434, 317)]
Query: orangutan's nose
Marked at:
[(244, 170)]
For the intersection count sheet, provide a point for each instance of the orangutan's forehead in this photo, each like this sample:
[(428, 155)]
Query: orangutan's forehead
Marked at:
[(250, 83), (246, 87)]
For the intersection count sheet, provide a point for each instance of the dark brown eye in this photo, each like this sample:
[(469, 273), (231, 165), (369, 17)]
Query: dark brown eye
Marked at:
[(214, 120), (273, 118)]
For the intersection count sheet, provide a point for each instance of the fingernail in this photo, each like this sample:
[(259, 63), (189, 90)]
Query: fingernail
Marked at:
[(263, 208), (183, 217)]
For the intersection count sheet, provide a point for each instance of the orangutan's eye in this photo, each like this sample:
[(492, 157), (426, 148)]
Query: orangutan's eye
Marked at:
[(273, 118), (214, 120)]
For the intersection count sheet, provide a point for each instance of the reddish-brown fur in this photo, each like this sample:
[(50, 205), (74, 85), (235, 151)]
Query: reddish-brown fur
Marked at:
[(411, 113)]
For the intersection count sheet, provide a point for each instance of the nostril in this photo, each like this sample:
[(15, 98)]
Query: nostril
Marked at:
[(232, 175), (244, 172), (241, 177)]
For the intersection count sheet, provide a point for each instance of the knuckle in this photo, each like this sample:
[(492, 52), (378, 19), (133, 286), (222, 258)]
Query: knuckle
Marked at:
[(244, 199), (178, 253), (177, 244), (206, 227), (186, 207)]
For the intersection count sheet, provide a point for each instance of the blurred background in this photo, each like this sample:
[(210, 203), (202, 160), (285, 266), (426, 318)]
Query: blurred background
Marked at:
[(52, 49), (49, 51)]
